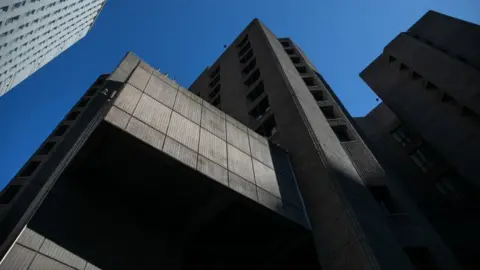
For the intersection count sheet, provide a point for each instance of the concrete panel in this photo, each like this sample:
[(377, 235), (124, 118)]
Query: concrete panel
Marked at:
[(31, 239), (139, 78), (214, 123), (261, 151), (213, 109), (213, 148), (180, 152), (153, 113), (19, 257), (269, 200), (188, 108), (215, 171), (189, 94), (146, 67), (184, 131), (240, 163), (145, 133), (127, 66), (117, 117), (161, 91), (242, 186), (44, 263), (237, 138), (265, 178), (257, 136), (128, 98), (118, 75), (57, 252)]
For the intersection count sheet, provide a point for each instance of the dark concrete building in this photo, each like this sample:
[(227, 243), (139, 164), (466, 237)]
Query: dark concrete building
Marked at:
[(144, 174), (359, 219), (427, 128)]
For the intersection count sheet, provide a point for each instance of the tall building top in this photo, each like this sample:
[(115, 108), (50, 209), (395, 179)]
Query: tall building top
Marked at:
[(34, 32)]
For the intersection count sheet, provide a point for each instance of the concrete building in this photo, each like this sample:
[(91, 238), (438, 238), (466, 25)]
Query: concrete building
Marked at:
[(33, 32), (143, 173), (427, 128), (359, 218)]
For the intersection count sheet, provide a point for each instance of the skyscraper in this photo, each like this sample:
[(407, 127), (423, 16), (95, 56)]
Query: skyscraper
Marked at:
[(33, 32), (143, 173), (427, 127)]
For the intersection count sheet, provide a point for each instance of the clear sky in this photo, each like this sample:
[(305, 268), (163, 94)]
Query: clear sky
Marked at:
[(182, 37)]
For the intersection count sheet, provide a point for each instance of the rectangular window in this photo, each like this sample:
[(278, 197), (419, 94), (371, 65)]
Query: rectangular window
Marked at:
[(381, 194), (215, 91), (4, 9), (214, 81), (251, 65), (328, 111), (342, 133), (268, 127), (400, 136), (46, 148), (295, 60), (419, 158), (252, 78), (243, 41), (256, 92), (246, 57), (301, 70), (244, 49), (285, 43), (309, 81), (60, 131), (290, 51), (18, 4), (420, 258), (29, 169), (318, 95), (9, 194), (261, 108), (216, 102), (215, 72), (12, 19), (83, 103)]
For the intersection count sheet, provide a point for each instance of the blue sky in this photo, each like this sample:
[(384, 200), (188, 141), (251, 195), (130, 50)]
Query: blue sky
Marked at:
[(182, 37)]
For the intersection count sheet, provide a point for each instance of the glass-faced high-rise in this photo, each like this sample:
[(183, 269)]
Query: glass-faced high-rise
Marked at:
[(33, 32)]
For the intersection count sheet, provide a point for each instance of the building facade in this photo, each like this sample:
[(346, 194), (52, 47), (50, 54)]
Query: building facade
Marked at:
[(33, 32), (427, 127), (355, 211)]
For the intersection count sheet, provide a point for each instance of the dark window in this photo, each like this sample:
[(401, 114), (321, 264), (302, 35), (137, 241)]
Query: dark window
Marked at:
[(462, 59), (261, 108), (290, 51), (9, 193), (285, 43), (214, 81), (251, 65), (216, 102), (466, 112), (419, 158), (296, 59), (403, 67), (429, 42), (301, 70), (400, 136), (448, 99), (91, 92), (318, 95), (309, 81), (420, 258), (29, 168), (60, 130), (342, 133), (328, 112), (244, 49), (382, 196), (72, 116), (268, 127), (415, 75), (247, 57), (46, 148), (243, 41), (215, 72), (256, 92), (253, 78), (215, 91), (83, 103), (391, 59), (430, 86)]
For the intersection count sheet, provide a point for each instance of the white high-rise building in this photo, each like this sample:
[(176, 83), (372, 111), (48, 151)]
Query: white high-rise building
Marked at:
[(33, 32)]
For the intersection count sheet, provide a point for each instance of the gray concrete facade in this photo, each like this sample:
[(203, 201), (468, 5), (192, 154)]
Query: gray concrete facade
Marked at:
[(270, 86), (427, 127)]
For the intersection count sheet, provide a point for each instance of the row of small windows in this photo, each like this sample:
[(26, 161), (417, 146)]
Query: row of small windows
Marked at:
[(15, 18), (47, 148), (75, 25), (446, 98)]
